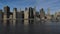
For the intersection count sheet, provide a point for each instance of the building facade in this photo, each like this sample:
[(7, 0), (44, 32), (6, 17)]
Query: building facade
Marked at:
[(31, 15), (42, 14), (26, 16), (14, 13), (7, 11), (6, 15)]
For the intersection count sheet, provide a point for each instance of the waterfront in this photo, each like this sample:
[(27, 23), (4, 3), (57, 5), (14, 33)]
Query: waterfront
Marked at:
[(38, 28)]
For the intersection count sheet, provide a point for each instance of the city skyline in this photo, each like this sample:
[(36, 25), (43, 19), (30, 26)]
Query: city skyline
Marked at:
[(52, 4)]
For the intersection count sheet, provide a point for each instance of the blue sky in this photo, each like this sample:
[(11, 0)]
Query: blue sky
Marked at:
[(54, 5)]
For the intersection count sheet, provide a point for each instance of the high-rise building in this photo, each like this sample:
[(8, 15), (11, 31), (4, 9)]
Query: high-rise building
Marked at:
[(11, 17), (48, 14), (31, 15), (57, 15), (22, 16), (26, 16), (1, 15), (14, 13), (34, 11), (6, 15), (42, 14), (37, 14), (7, 11), (34, 14)]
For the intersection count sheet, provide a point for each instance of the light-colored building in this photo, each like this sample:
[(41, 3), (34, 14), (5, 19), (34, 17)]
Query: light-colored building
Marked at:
[(57, 15), (11, 19), (14, 15), (42, 14), (4, 19), (34, 12), (26, 16), (48, 14)]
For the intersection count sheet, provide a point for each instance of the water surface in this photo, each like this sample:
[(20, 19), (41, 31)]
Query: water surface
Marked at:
[(37, 28)]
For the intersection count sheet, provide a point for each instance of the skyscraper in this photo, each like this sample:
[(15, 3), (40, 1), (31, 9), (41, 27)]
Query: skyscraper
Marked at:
[(14, 13), (6, 15), (48, 14), (1, 15), (22, 16), (26, 16), (34, 13), (42, 14), (7, 11), (31, 15)]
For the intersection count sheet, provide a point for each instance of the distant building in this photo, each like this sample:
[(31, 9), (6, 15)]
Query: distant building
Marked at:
[(7, 11), (14, 13), (57, 15), (6, 14), (37, 14), (26, 16), (31, 15), (11, 16), (34, 14), (18, 15), (48, 14), (34, 11), (22, 16), (42, 14), (1, 15)]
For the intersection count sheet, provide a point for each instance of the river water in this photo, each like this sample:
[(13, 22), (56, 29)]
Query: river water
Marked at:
[(38, 28)]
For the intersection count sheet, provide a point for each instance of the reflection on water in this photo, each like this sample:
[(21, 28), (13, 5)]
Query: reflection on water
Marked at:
[(17, 27)]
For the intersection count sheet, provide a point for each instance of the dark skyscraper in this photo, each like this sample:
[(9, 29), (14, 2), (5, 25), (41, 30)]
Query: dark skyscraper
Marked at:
[(31, 14), (7, 11), (1, 14), (26, 8), (22, 13), (22, 16)]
